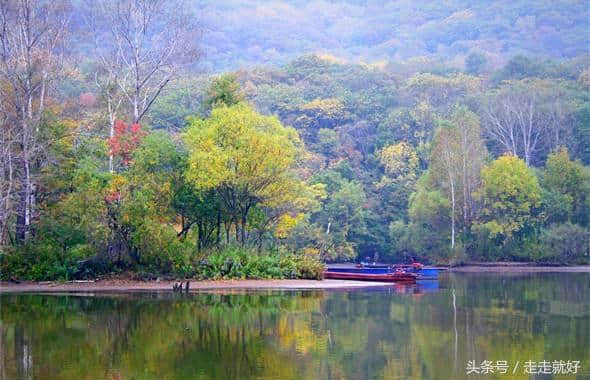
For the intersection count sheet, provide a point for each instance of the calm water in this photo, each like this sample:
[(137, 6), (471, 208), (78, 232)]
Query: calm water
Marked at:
[(361, 334)]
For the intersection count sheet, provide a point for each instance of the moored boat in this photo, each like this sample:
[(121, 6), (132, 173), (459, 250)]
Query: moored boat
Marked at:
[(372, 266), (399, 277), (358, 269), (423, 273)]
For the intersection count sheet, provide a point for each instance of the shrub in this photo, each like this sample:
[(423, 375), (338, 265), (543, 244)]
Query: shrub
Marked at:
[(308, 267), (161, 252), (42, 261), (566, 242), (241, 263)]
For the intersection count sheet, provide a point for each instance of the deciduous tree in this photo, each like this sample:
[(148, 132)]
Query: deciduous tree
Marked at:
[(526, 117), (457, 156), (570, 182), (148, 44), (510, 198), (248, 158), (32, 40)]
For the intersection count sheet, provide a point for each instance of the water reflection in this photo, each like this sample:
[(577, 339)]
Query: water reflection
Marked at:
[(391, 333)]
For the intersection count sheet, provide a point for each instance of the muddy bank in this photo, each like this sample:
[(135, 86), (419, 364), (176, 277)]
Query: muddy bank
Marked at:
[(195, 286)]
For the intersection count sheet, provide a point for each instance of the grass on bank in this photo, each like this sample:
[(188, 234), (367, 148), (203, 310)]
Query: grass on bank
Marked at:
[(38, 264)]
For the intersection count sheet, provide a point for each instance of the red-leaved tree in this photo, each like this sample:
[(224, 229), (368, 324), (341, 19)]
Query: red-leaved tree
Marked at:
[(125, 140)]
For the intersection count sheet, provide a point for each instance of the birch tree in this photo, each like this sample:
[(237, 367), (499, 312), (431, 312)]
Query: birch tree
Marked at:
[(146, 46), (107, 84), (525, 117), (445, 162), (32, 41), (473, 153), (457, 156), (8, 141)]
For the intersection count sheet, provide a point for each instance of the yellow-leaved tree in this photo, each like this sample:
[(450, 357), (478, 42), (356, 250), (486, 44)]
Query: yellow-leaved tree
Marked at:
[(248, 158), (510, 198)]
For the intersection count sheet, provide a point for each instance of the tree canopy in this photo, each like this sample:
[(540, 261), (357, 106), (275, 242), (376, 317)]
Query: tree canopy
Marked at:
[(247, 157)]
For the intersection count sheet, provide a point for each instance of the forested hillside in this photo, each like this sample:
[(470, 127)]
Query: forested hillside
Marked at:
[(405, 151), (119, 154), (249, 32)]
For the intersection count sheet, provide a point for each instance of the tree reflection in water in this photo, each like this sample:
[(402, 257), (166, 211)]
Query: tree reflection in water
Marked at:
[(362, 334)]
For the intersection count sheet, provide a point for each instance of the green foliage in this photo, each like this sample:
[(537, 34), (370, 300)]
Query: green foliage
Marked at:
[(393, 30), (567, 243), (400, 162), (557, 207), (42, 261), (430, 207), (225, 90), (248, 159), (568, 189), (241, 149), (456, 159), (414, 125), (519, 67), (242, 263), (341, 223), (158, 154), (438, 90), (428, 234), (475, 63), (582, 132), (180, 101), (327, 141), (160, 251), (81, 212), (398, 233), (386, 141), (308, 266), (382, 160), (279, 98), (510, 196), (325, 113)]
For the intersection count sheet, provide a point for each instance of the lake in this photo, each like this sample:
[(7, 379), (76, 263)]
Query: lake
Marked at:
[(471, 322)]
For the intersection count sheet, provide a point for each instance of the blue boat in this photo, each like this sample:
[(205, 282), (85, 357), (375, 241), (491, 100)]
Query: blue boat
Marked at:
[(428, 273), (424, 273)]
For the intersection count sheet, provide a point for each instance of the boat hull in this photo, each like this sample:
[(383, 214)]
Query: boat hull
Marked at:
[(424, 273), (361, 270), (381, 277)]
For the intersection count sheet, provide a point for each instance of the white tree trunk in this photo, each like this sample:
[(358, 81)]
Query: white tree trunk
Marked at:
[(111, 130), (452, 183)]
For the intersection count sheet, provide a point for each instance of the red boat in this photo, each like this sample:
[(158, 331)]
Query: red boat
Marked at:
[(382, 277)]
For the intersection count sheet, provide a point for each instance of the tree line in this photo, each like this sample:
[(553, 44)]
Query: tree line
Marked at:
[(127, 158), (87, 186), (414, 158)]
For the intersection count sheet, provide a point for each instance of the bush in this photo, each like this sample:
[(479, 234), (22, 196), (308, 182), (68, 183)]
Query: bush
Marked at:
[(168, 255), (566, 243), (242, 263), (41, 261), (308, 267)]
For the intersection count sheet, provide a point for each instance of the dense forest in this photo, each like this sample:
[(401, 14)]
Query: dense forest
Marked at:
[(249, 32), (119, 153)]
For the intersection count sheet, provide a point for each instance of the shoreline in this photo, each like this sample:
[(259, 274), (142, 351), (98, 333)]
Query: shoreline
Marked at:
[(116, 285), (127, 285)]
